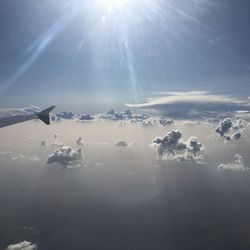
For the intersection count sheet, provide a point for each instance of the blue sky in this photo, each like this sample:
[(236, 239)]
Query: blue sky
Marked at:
[(100, 54)]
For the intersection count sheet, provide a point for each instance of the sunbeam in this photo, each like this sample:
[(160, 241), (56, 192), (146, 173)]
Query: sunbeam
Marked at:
[(34, 51)]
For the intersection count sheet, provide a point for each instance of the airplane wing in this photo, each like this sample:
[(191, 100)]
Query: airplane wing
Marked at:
[(43, 116)]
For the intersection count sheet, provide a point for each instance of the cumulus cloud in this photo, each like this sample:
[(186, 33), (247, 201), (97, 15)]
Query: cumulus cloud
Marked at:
[(53, 117), (192, 104), (25, 245), (224, 127), (172, 143), (169, 143), (239, 124), (229, 125), (85, 117), (148, 122), (66, 156), (166, 122), (236, 165), (67, 115), (126, 115), (193, 146)]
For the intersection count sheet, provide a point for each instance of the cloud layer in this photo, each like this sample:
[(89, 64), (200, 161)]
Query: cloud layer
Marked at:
[(122, 185), (192, 104)]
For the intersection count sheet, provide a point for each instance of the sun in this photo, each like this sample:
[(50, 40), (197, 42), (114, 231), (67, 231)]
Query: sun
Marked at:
[(114, 4)]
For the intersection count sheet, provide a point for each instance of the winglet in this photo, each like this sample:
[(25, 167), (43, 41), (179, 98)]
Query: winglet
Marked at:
[(44, 115)]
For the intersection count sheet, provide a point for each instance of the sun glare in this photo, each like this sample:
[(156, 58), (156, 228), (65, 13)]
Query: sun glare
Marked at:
[(114, 4)]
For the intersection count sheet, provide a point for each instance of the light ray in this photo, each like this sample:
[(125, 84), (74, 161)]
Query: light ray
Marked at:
[(38, 47)]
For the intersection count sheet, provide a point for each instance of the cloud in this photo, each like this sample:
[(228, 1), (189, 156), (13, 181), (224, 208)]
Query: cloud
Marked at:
[(86, 117), (67, 115), (66, 156), (239, 124), (19, 111), (236, 136), (34, 159), (113, 115), (147, 123), (25, 245), (192, 104), (43, 143), (172, 142), (121, 144), (178, 93), (18, 157), (193, 146), (79, 142), (166, 122), (224, 127), (169, 143), (228, 125), (236, 165)]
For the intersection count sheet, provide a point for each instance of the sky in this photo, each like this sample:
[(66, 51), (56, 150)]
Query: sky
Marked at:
[(89, 56), (168, 167)]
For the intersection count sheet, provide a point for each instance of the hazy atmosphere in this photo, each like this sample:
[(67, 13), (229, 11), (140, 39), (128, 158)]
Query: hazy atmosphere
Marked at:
[(122, 195)]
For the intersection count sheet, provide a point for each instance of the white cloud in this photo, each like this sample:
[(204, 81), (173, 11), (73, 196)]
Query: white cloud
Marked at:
[(25, 245), (67, 115), (178, 93), (128, 115), (18, 111), (66, 156), (193, 146), (236, 165), (239, 124), (192, 104), (229, 125), (168, 145), (224, 127)]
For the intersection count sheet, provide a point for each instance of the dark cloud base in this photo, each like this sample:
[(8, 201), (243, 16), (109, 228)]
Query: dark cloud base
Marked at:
[(190, 208)]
